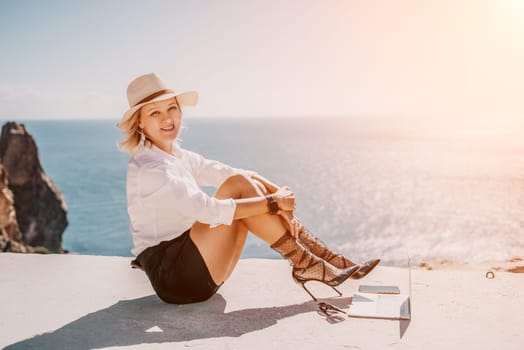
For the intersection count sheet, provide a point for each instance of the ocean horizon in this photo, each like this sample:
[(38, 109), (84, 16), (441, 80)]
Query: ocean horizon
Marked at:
[(367, 188)]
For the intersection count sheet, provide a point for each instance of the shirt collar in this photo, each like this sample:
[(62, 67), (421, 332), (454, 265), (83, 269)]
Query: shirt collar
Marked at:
[(177, 151)]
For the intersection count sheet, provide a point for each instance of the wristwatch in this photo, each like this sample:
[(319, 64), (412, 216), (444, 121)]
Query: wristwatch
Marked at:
[(272, 204)]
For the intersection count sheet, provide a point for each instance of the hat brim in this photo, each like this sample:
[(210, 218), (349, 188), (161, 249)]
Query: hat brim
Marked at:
[(187, 98)]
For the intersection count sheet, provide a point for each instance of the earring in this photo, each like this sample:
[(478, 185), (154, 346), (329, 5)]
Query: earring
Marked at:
[(142, 138)]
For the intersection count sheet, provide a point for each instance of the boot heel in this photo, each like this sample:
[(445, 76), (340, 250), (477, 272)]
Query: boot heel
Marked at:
[(336, 290), (303, 284), (307, 290)]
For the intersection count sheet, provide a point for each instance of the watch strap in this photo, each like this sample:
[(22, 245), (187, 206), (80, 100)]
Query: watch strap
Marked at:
[(272, 204)]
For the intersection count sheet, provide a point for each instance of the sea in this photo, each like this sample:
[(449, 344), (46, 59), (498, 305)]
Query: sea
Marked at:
[(388, 188)]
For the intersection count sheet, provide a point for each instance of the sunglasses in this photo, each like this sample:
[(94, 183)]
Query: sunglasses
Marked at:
[(332, 313)]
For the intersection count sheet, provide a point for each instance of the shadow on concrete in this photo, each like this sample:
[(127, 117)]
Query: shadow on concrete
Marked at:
[(404, 324), (125, 323), (403, 327)]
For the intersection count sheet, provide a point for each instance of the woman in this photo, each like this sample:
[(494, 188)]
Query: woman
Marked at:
[(187, 242)]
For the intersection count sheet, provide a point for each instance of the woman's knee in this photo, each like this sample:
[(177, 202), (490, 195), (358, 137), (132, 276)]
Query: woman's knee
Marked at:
[(262, 189), (242, 184), (238, 179)]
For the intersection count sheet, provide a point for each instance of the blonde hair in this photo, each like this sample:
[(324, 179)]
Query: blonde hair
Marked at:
[(132, 134)]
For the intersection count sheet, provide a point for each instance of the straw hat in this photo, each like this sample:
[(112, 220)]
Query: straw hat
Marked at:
[(149, 88)]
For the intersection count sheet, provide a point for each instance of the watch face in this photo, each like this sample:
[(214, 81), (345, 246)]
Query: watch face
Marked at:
[(272, 204)]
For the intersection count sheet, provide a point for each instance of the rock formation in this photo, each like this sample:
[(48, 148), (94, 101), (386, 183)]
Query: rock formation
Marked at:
[(39, 207), (10, 236)]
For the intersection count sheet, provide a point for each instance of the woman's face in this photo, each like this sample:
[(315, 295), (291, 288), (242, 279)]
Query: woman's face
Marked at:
[(160, 122)]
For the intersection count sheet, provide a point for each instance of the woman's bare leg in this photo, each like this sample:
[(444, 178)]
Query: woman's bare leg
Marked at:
[(222, 246)]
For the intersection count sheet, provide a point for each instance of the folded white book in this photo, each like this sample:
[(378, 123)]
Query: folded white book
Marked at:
[(382, 301), (390, 306)]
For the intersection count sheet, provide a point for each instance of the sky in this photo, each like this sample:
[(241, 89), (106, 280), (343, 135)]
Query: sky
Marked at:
[(251, 58)]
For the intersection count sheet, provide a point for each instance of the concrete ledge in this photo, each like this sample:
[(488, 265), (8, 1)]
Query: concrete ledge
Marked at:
[(87, 302)]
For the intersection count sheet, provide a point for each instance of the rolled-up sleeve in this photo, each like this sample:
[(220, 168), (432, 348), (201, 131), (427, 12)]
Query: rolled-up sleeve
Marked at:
[(210, 172), (175, 193)]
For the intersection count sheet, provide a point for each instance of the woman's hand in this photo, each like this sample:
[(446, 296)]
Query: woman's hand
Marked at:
[(285, 199), (286, 203)]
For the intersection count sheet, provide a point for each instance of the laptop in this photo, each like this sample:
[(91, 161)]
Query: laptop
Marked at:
[(382, 302)]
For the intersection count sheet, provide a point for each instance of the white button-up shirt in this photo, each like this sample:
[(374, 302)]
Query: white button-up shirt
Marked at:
[(164, 197)]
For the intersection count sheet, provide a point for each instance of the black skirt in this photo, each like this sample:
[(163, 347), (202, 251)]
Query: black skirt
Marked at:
[(177, 271)]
